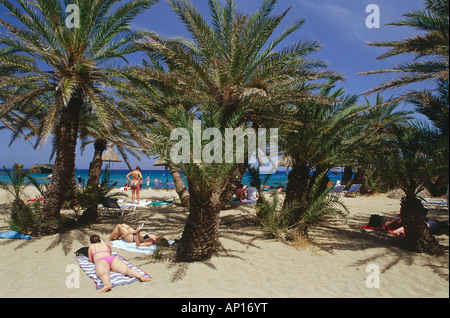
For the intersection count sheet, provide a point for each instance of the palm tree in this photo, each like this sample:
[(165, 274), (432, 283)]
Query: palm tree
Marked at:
[(430, 49), (376, 124), (44, 56), (325, 135), (227, 76), (405, 163), (435, 106)]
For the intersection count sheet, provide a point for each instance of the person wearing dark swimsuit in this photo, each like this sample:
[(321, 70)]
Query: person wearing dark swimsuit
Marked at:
[(100, 254)]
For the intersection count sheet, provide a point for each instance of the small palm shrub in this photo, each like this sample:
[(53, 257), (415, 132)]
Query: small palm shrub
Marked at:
[(317, 206), (275, 220), (24, 217), (97, 194)]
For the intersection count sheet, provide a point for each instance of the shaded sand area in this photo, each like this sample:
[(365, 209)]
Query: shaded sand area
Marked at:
[(249, 265)]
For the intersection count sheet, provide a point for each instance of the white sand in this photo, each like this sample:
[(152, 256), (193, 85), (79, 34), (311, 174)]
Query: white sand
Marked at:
[(250, 265)]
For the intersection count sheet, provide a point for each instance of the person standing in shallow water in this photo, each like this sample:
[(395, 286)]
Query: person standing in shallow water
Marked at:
[(135, 183)]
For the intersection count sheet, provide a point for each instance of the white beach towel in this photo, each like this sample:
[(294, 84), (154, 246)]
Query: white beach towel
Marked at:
[(131, 247)]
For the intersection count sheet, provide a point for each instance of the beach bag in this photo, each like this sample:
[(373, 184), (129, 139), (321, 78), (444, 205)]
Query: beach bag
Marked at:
[(376, 220), (82, 252)]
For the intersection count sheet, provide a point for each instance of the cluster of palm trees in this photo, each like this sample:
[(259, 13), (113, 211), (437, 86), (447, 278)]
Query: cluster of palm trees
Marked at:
[(66, 84)]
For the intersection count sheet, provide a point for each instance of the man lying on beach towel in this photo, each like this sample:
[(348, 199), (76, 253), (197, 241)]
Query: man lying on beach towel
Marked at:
[(394, 226), (105, 264)]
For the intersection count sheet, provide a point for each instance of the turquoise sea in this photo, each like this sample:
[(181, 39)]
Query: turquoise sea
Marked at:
[(119, 176)]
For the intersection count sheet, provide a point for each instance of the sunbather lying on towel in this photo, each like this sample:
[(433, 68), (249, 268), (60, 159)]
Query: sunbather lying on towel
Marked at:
[(134, 236), (100, 254), (397, 228)]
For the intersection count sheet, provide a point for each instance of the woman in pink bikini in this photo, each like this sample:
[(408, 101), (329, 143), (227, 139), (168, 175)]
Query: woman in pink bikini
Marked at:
[(100, 254)]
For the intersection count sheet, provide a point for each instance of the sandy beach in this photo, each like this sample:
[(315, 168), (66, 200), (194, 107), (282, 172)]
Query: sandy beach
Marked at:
[(250, 265)]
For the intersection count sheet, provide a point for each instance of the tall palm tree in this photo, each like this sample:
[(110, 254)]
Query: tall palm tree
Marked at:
[(431, 64), (323, 137), (436, 107), (44, 56), (376, 124), (405, 162), (227, 76), (431, 49)]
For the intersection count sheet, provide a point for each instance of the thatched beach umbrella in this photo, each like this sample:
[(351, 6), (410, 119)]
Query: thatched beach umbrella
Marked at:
[(161, 162), (111, 156), (285, 161)]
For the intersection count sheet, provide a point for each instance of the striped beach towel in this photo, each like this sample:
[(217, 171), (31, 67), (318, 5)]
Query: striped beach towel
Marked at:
[(116, 278)]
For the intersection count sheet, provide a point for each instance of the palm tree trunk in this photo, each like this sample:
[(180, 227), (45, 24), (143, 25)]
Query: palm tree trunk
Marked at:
[(64, 171), (347, 177), (234, 180), (361, 178), (297, 186), (200, 239), (417, 233), (95, 167), (95, 171), (180, 187)]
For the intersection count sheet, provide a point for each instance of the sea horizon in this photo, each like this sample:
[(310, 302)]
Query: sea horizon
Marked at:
[(118, 176)]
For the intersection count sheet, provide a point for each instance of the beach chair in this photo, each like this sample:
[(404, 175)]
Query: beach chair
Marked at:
[(338, 190), (170, 185), (352, 191), (85, 201), (111, 207), (158, 185), (431, 203)]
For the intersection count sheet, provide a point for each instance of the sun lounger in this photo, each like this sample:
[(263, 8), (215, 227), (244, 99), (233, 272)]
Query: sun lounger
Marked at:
[(85, 201), (352, 191), (432, 203), (338, 190), (111, 207)]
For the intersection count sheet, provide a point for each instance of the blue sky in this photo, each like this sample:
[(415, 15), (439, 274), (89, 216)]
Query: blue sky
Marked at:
[(340, 25)]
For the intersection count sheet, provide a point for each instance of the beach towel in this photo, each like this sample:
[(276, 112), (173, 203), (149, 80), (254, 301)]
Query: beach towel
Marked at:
[(146, 203), (14, 235), (368, 227), (159, 203), (131, 247), (116, 278), (248, 201)]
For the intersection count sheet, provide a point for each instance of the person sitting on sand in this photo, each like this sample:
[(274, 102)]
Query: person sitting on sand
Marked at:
[(252, 192), (100, 254), (240, 192), (280, 188), (396, 225), (134, 236), (135, 183)]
